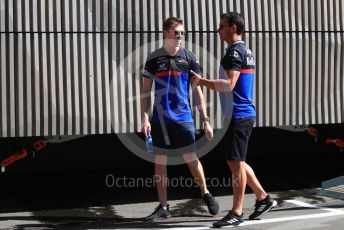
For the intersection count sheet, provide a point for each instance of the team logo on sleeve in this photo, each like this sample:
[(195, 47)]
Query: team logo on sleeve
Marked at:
[(234, 53)]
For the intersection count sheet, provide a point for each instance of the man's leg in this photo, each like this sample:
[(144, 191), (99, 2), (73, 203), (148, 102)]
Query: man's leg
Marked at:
[(196, 170), (239, 181), (162, 211), (235, 216), (264, 202), (161, 178), (254, 184)]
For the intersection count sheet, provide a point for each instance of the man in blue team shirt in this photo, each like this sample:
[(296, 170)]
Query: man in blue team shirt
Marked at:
[(238, 66), (171, 125)]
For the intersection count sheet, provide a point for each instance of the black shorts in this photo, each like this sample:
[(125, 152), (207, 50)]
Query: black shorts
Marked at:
[(176, 139), (237, 137)]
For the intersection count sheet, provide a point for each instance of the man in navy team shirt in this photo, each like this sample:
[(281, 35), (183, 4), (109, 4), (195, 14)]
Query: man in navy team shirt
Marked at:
[(238, 67), (171, 125)]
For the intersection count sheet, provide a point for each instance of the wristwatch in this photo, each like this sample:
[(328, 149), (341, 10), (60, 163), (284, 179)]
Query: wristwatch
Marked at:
[(206, 119)]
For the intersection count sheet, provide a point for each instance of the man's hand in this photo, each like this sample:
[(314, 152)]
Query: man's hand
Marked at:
[(146, 128), (208, 130), (195, 79)]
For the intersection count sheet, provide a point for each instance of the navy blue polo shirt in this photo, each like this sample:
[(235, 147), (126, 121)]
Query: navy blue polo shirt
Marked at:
[(240, 58), (171, 75)]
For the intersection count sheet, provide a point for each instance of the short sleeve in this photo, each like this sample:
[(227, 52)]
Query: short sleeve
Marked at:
[(148, 70), (232, 60), (195, 64)]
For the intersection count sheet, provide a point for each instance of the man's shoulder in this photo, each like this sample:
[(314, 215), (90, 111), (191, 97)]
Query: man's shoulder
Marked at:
[(156, 54), (188, 54), (239, 49), (238, 46), (233, 52)]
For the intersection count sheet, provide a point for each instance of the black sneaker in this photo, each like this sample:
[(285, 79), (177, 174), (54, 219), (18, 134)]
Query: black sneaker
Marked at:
[(230, 219), (213, 205), (158, 214), (262, 207)]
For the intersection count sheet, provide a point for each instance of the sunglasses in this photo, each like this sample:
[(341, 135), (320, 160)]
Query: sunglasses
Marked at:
[(178, 32)]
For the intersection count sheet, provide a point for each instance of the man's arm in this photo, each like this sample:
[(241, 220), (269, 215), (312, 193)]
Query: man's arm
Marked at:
[(200, 103), (220, 85), (145, 104)]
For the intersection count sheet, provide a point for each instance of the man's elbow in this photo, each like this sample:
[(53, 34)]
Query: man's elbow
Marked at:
[(227, 88)]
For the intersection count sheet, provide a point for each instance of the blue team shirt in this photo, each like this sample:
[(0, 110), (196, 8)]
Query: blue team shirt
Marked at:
[(171, 75), (238, 57)]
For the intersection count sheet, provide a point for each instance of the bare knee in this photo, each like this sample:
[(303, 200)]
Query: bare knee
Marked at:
[(191, 159), (236, 166), (160, 160)]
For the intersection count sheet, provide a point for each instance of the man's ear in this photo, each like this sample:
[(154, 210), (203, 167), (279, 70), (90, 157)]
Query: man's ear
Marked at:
[(234, 28)]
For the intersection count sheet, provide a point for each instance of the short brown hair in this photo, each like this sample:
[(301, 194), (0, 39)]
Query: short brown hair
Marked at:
[(234, 18), (170, 21)]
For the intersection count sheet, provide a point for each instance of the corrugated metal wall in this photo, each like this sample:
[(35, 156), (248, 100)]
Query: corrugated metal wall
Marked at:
[(73, 66)]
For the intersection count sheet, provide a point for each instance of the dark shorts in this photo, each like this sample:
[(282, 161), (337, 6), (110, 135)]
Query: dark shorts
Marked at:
[(237, 137), (176, 139)]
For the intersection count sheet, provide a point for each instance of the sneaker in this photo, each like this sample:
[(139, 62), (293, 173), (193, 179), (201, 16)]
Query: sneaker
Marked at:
[(229, 219), (213, 205), (262, 207), (158, 214)]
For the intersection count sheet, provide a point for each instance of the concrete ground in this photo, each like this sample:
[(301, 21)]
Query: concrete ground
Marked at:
[(297, 209), (302, 209)]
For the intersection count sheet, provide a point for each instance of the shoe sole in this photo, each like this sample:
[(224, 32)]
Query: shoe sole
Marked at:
[(160, 218), (235, 225), (240, 224), (214, 213), (273, 205)]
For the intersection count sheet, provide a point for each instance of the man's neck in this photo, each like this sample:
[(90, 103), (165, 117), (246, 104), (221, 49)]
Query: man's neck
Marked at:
[(171, 50), (233, 39)]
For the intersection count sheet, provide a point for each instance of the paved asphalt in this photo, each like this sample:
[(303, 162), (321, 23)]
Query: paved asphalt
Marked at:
[(118, 200), (297, 209)]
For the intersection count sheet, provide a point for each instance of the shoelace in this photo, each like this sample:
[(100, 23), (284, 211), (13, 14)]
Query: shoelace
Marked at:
[(230, 215), (255, 205)]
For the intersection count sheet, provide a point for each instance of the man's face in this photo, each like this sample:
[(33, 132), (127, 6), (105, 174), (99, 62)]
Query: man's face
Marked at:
[(174, 35), (225, 31)]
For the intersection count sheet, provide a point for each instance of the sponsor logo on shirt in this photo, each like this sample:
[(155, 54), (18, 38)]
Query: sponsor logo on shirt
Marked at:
[(250, 61), (162, 66), (162, 60), (180, 60)]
